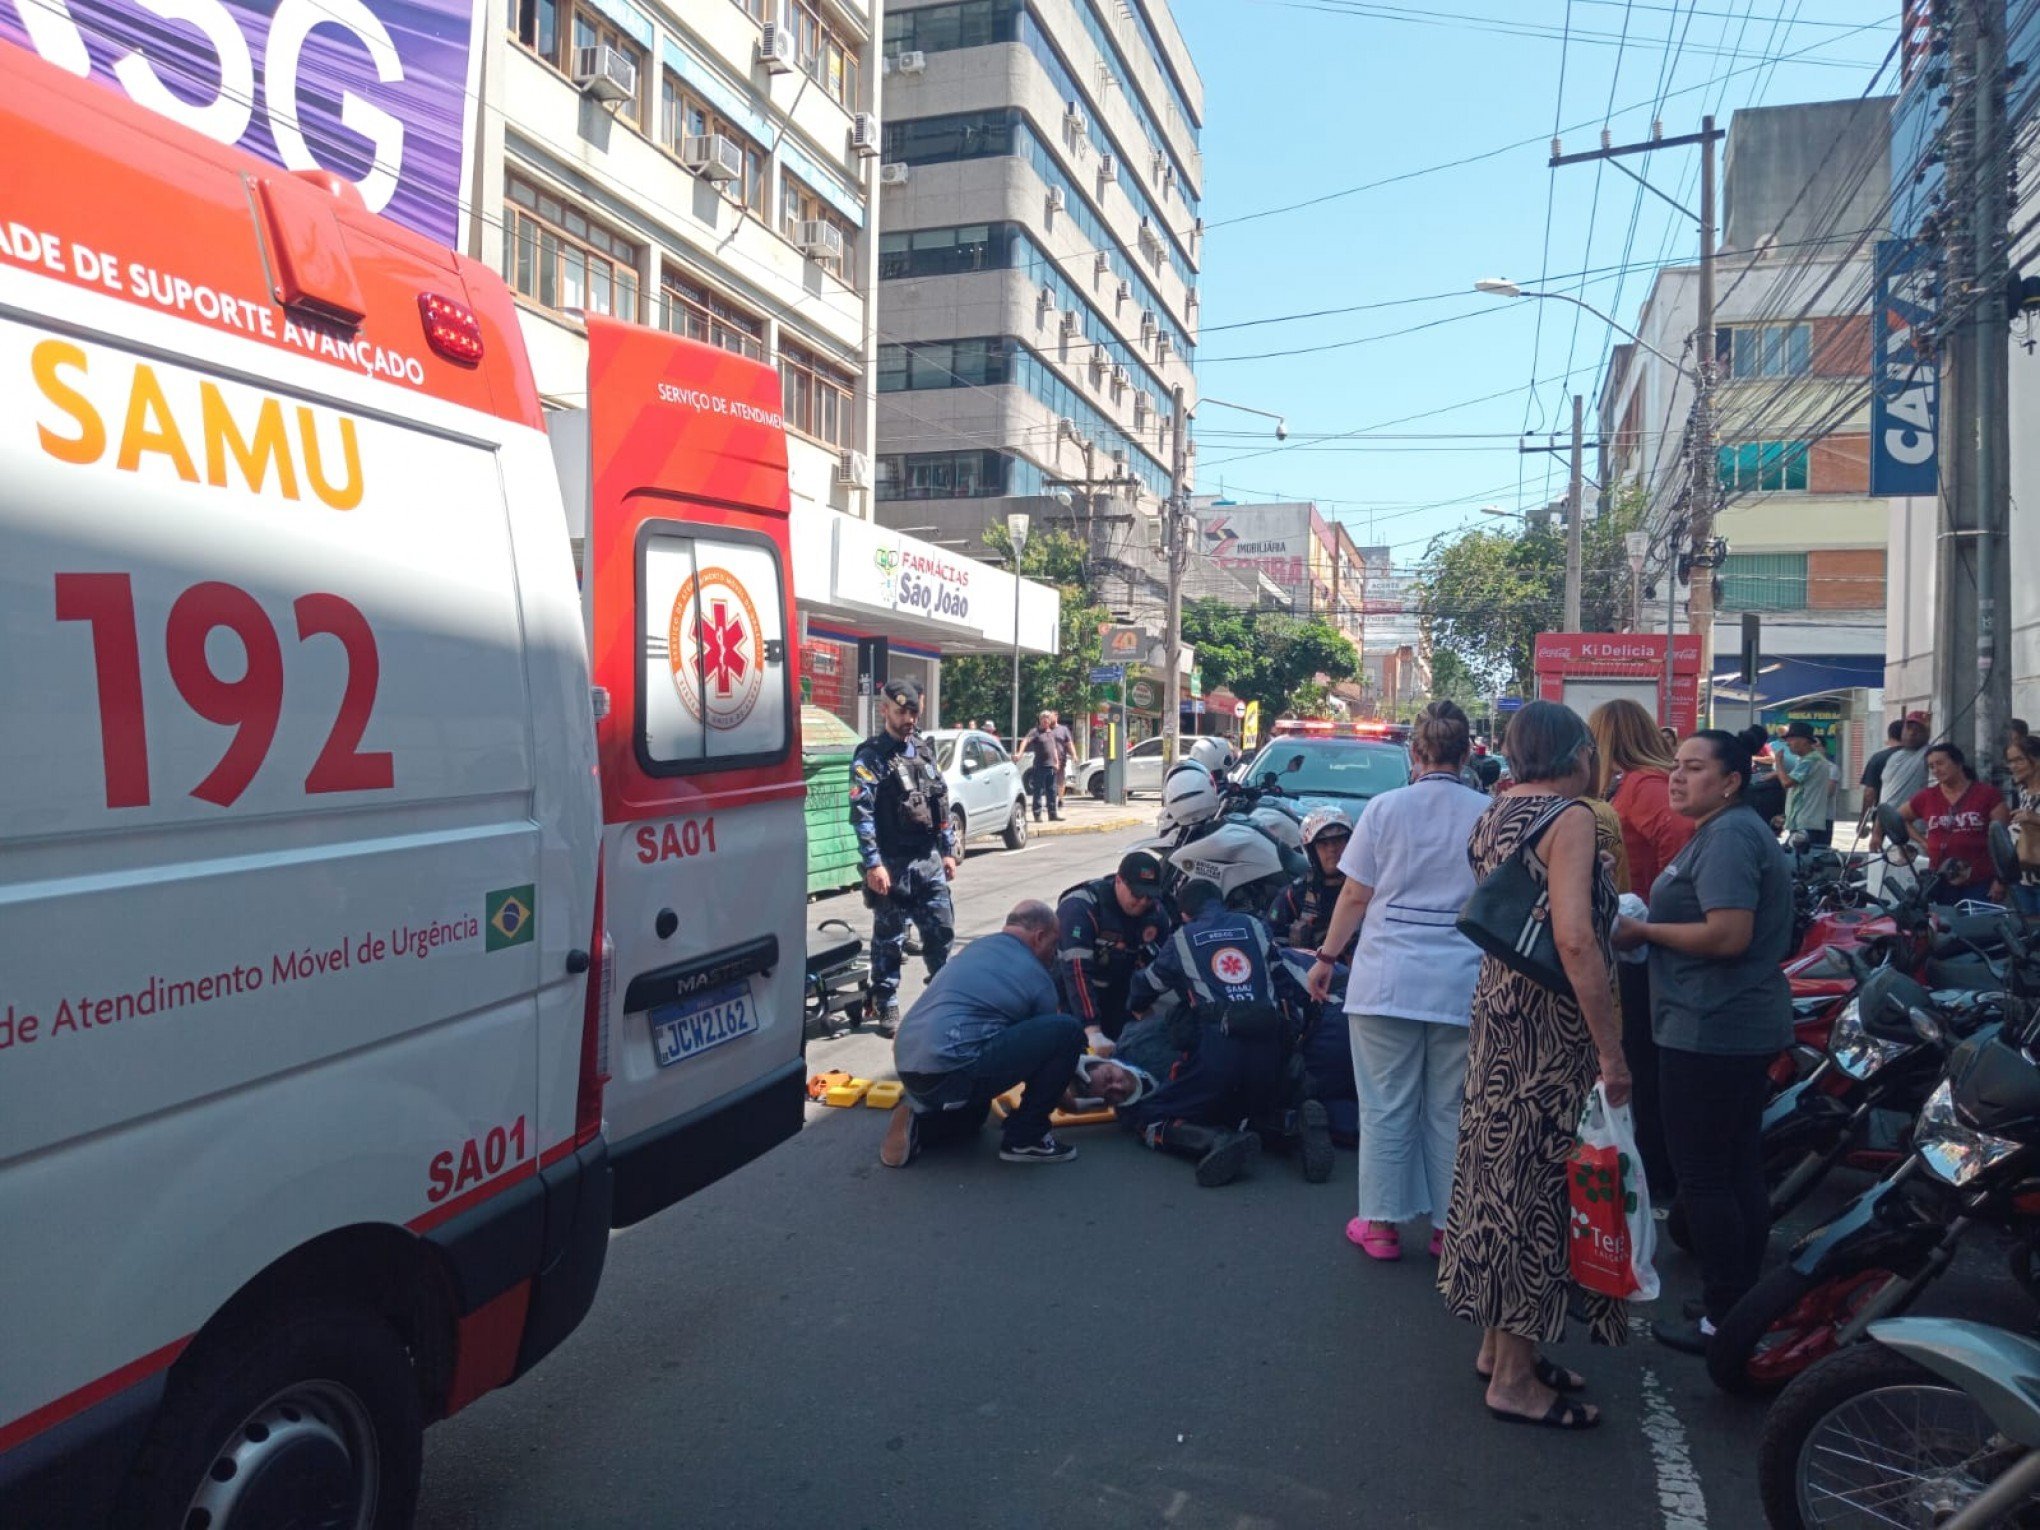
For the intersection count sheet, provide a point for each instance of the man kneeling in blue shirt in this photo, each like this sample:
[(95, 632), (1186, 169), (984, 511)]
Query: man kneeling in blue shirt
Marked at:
[(987, 1021)]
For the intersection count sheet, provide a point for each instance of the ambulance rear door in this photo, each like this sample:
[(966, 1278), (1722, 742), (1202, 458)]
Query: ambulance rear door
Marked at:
[(690, 600)]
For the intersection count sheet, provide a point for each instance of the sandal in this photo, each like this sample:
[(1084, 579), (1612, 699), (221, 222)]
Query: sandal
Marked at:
[(1553, 1375), (1377, 1240), (1563, 1413), (1437, 1248)]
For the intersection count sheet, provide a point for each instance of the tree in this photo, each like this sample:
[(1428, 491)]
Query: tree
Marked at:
[(1484, 597), (978, 686), (1451, 680), (1267, 656)]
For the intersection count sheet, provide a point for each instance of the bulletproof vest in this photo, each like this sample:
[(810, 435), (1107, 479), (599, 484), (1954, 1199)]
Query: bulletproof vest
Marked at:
[(1314, 907), (908, 797), (1121, 942)]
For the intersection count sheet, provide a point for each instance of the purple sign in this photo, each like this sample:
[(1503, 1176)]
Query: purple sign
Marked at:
[(383, 92)]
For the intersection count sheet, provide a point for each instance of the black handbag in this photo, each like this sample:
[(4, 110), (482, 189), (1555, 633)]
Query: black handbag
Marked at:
[(1509, 914)]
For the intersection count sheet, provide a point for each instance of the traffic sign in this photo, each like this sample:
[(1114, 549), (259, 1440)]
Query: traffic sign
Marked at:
[(1508, 703), (1107, 674)]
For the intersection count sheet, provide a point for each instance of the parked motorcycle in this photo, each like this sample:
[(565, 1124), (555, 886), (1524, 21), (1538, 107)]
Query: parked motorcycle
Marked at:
[(1975, 1159), (1933, 1422)]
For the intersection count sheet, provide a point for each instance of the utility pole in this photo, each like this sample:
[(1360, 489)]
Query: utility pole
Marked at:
[(1176, 527), (1573, 515), (1971, 573), (1671, 619), (1703, 475)]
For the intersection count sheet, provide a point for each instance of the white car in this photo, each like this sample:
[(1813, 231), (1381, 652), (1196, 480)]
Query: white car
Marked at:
[(1143, 770), (986, 793)]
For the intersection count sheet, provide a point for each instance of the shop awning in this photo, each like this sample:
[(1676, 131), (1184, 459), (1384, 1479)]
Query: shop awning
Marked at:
[(1784, 679)]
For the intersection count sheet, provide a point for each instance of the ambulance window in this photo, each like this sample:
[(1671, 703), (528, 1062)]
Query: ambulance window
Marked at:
[(715, 688)]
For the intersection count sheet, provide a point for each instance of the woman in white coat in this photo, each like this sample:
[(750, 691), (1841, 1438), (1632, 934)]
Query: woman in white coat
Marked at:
[(1411, 990)]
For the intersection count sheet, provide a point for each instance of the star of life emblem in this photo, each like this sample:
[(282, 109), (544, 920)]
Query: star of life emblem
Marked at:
[(1229, 964), (714, 648)]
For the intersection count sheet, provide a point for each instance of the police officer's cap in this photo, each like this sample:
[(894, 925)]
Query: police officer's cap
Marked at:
[(1141, 871), (906, 692)]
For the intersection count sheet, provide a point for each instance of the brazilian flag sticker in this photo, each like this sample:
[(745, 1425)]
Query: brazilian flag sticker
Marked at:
[(510, 917)]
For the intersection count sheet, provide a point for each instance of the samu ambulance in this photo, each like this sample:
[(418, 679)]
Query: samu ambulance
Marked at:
[(381, 921)]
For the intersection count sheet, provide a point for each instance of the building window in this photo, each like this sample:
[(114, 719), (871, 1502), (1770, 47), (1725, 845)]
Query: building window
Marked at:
[(1764, 350), (1763, 582), (828, 56), (687, 308), (818, 398), (1760, 465), (556, 256), (955, 475), (797, 206), (683, 115), (557, 31)]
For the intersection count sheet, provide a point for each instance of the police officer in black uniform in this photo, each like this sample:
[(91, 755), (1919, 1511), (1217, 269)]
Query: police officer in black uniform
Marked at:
[(1243, 1011), (1302, 912), (1109, 929), (899, 806)]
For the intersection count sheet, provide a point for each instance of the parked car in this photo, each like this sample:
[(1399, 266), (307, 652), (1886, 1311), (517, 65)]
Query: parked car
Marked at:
[(986, 794), (1143, 770)]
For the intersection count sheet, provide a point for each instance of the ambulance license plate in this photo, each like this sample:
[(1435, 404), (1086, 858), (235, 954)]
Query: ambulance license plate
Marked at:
[(693, 1026)]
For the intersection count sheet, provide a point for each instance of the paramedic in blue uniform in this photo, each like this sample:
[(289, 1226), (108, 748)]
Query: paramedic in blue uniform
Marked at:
[(899, 806), (1110, 929), (1240, 1014)]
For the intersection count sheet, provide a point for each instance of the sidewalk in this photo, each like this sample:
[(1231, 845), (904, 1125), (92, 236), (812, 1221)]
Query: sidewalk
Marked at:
[(1081, 815)]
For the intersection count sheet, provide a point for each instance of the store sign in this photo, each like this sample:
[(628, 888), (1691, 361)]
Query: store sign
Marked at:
[(889, 572), (1904, 382), (1144, 695), (379, 92), (1272, 540)]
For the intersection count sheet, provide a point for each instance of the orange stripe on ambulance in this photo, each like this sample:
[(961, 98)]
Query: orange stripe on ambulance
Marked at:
[(149, 427)]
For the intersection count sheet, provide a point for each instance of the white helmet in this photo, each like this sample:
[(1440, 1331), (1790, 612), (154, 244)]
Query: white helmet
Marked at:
[(1325, 820), (1188, 798), (1234, 855), (1209, 752)]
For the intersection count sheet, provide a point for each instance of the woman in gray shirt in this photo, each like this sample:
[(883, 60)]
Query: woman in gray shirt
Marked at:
[(1720, 923)]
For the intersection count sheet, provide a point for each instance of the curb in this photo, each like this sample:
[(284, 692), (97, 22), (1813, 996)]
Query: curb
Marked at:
[(1097, 826)]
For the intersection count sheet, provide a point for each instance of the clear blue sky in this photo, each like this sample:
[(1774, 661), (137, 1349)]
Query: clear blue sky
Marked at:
[(1309, 97)]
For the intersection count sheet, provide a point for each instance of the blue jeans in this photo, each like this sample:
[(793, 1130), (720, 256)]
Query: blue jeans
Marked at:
[(2026, 899), (1040, 1053), (1041, 789)]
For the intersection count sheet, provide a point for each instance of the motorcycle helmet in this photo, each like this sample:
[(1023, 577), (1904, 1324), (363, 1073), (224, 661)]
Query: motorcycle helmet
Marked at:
[(1189, 797), (1325, 820), (1210, 753)]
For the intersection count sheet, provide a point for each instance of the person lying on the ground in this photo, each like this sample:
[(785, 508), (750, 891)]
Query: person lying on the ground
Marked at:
[(1107, 1083), (987, 1021), (1240, 1014), (1111, 928)]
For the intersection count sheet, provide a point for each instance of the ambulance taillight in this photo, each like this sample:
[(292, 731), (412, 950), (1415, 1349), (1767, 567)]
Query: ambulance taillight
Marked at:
[(595, 1029)]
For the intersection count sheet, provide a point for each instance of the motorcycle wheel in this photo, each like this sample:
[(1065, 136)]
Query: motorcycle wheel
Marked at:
[(1787, 1322), (1869, 1427)]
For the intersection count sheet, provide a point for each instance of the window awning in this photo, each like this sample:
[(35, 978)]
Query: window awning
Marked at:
[(1788, 678)]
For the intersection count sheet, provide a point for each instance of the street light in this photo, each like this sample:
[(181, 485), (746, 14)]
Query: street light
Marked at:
[(1281, 424), (1501, 286), (1016, 533)]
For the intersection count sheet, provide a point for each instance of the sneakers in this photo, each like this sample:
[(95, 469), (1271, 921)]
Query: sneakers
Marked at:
[(887, 1023), (902, 1137), (1047, 1150), (1316, 1125)]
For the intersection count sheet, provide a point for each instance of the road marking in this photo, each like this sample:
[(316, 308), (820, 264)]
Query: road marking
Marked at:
[(1678, 1483)]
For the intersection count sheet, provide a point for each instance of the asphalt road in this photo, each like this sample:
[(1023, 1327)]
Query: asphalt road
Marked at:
[(818, 1341)]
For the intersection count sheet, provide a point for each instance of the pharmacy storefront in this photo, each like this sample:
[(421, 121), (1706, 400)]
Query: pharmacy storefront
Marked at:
[(876, 603)]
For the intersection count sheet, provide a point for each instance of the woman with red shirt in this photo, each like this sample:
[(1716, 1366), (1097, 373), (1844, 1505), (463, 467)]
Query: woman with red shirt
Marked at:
[(1635, 781), (1952, 818)]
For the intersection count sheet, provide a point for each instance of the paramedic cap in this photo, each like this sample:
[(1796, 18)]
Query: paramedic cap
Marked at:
[(906, 692), (1142, 872)]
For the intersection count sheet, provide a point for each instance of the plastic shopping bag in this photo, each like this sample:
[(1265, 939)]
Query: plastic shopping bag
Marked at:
[(1613, 1237)]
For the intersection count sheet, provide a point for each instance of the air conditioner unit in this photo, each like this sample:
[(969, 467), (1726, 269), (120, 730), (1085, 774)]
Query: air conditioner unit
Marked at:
[(1071, 322), (1147, 324), (775, 49), (913, 61), (897, 173), (1044, 304), (1099, 266), (1073, 119), (1097, 366), (1108, 169), (1120, 377), (885, 64), (1162, 347), (1124, 294), (607, 74), (1190, 299), (819, 239), (864, 135), (1057, 199), (853, 470), (712, 157)]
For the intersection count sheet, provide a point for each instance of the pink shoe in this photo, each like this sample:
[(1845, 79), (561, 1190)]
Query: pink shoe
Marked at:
[(1377, 1240), (1437, 1241)]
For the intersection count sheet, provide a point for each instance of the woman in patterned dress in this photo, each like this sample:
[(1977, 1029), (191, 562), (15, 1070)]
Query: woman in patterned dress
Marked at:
[(1533, 1060)]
